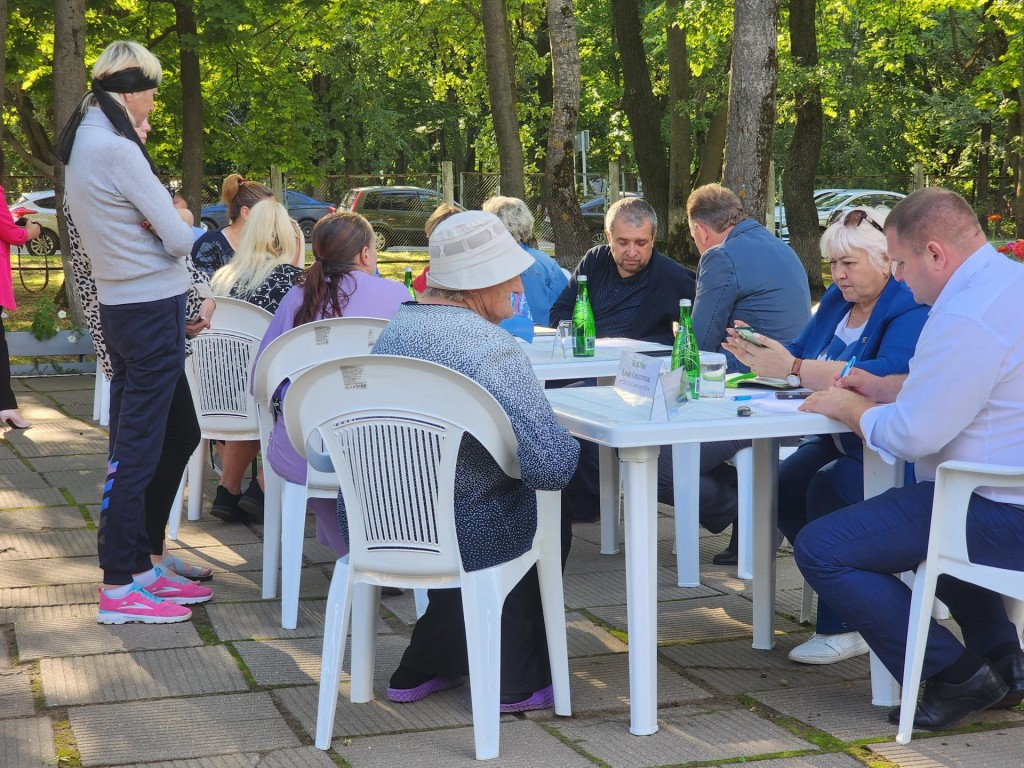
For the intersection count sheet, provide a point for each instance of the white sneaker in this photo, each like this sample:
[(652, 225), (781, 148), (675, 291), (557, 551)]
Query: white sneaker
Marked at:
[(829, 649)]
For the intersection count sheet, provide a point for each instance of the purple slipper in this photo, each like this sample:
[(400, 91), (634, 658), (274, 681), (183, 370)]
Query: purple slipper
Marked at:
[(421, 691), (542, 699)]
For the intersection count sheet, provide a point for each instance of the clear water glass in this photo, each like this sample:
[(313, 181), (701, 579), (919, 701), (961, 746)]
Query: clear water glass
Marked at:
[(712, 375)]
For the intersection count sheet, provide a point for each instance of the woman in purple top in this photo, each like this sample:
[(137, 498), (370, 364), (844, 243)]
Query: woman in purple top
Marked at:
[(341, 282)]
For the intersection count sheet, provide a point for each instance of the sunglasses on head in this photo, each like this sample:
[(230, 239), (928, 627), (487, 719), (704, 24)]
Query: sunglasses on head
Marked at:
[(853, 219)]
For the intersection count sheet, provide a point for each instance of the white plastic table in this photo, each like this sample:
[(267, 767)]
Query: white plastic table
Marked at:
[(600, 415)]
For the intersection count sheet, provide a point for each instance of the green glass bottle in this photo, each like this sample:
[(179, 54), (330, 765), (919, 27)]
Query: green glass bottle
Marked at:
[(684, 351), (583, 331), (408, 283)]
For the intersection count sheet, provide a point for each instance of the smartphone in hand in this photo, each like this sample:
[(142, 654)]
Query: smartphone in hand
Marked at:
[(21, 222), (747, 334)]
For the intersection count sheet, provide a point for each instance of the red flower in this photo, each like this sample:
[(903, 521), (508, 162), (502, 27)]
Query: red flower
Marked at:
[(1018, 249), (995, 217)]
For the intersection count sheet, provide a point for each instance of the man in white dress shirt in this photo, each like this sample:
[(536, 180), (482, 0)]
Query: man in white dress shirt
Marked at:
[(962, 399)]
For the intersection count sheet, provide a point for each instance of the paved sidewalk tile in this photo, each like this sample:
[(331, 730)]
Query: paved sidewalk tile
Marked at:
[(27, 743), (15, 694), (231, 723), (441, 710), (298, 757), (43, 519), (601, 684), (113, 677), (1003, 748), (31, 497), (55, 594), (586, 638), (686, 734), (46, 634), (24, 545), (597, 588), (297, 662), (65, 570), (707, 618), (521, 744)]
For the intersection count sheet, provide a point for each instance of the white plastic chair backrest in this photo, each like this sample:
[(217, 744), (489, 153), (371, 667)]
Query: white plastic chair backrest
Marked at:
[(303, 347), (393, 427), (219, 366)]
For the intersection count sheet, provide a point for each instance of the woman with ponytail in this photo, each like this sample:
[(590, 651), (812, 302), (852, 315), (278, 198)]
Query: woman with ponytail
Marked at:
[(215, 249), (341, 282), (137, 245)]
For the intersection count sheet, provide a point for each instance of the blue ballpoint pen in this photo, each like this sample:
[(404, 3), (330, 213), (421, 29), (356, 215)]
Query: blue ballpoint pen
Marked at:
[(848, 367)]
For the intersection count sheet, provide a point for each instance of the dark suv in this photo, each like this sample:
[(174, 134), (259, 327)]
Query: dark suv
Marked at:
[(304, 209), (396, 213)]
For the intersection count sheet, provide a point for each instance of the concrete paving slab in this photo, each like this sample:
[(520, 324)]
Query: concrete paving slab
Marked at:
[(27, 743), (43, 519), (297, 662), (601, 588), (210, 532), (521, 744), (441, 710), (841, 709), (685, 735), (734, 667), (57, 594), (40, 442), (45, 633), (85, 485), (25, 482), (15, 694), (31, 497), (585, 557), (827, 760), (991, 749), (585, 638), (64, 570), (249, 621), (83, 461), (231, 723), (601, 684), (24, 545), (110, 677), (706, 618), (11, 467), (73, 382), (299, 757), (237, 557)]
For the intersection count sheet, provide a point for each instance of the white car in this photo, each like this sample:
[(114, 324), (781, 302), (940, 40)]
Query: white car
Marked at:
[(780, 212), (40, 208), (854, 198)]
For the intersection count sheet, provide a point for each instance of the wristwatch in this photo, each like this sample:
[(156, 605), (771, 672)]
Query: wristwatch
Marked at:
[(794, 375)]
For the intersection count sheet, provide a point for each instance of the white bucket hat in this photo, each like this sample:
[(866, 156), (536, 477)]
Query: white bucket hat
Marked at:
[(471, 250)]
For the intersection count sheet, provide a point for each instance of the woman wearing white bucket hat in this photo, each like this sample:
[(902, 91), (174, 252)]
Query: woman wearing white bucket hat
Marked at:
[(474, 265)]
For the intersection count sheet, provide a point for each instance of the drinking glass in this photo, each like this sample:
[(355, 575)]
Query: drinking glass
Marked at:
[(563, 337), (712, 375)]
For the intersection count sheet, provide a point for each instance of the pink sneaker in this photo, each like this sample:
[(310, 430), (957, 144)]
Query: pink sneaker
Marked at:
[(139, 605), (177, 589)]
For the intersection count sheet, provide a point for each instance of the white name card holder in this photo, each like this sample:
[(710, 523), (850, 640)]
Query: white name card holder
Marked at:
[(637, 380), (675, 391)]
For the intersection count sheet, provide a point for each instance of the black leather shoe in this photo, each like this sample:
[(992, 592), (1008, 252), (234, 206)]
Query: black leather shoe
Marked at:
[(729, 555), (1011, 669), (943, 705)]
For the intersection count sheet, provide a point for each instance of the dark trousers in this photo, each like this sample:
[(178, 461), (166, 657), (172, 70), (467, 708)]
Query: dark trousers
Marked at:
[(814, 482), (8, 402), (438, 645), (181, 438), (853, 556), (146, 344)]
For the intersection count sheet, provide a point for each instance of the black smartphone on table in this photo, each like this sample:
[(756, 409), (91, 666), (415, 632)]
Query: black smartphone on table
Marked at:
[(794, 394)]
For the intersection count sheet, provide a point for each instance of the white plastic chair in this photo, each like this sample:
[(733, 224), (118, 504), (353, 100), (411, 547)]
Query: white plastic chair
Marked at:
[(101, 398), (218, 375), (284, 358), (394, 443), (955, 481)]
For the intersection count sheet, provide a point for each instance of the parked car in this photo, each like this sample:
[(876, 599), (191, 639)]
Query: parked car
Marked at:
[(841, 199), (593, 211), (304, 209), (39, 207), (397, 214), (780, 211)]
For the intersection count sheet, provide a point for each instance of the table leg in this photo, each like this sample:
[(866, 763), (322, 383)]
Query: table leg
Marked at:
[(608, 485), (766, 466), (686, 489), (639, 468), (878, 478)]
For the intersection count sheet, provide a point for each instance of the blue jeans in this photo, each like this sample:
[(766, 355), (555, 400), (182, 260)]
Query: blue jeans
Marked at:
[(853, 558), (814, 482), (146, 344)]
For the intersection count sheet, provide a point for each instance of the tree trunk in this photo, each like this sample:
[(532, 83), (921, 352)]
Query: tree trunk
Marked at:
[(191, 106), (571, 237), (642, 109), (748, 144), (500, 85), (805, 146), (68, 89), (3, 79), (713, 152), (680, 137)]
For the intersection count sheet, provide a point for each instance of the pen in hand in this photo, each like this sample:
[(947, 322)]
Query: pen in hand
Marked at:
[(848, 367)]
